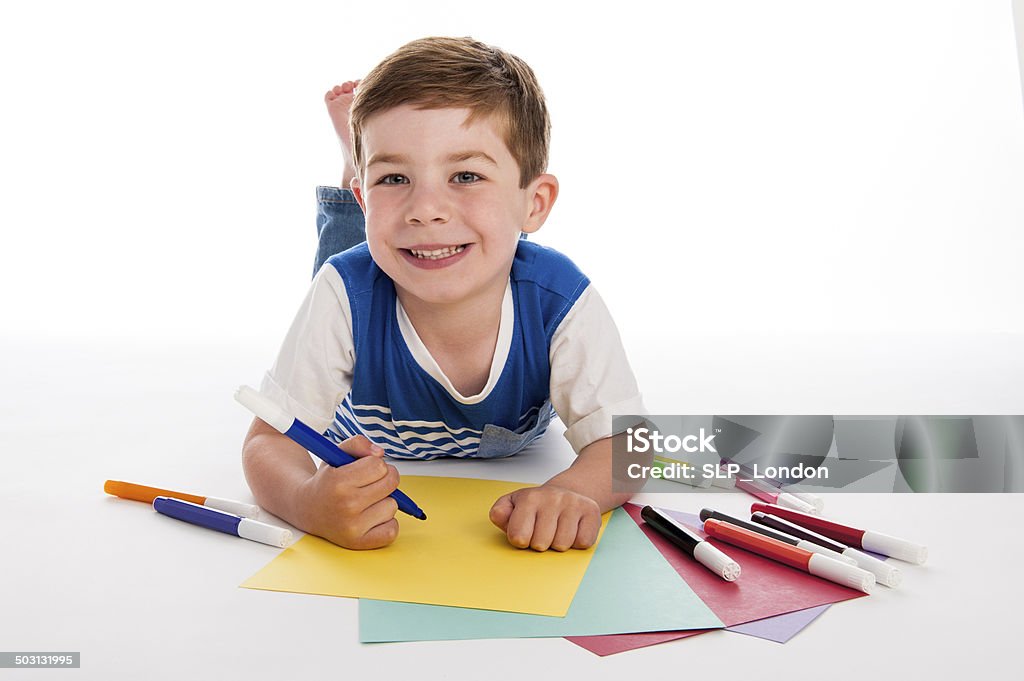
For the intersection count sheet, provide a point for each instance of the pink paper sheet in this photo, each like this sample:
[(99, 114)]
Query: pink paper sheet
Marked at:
[(764, 589)]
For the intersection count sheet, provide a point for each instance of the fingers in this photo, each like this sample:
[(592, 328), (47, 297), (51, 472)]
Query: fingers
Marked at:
[(359, 473), (382, 487), (567, 534), (500, 512), (379, 536), (586, 533), (520, 524), (547, 518), (545, 522), (360, 446), (359, 516)]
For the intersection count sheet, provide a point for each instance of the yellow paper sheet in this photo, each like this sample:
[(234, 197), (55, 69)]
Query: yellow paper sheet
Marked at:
[(456, 557)]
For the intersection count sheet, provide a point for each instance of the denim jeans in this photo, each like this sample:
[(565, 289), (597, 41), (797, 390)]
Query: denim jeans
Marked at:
[(339, 223)]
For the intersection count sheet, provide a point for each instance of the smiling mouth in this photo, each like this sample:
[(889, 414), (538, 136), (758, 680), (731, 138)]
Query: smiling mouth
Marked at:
[(437, 253)]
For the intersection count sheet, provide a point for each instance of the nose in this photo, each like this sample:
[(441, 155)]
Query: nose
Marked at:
[(427, 206)]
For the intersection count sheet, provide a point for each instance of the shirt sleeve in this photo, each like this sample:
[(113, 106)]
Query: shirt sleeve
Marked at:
[(313, 370), (591, 379)]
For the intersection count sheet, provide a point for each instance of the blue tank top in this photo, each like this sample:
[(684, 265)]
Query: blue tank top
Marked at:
[(398, 405)]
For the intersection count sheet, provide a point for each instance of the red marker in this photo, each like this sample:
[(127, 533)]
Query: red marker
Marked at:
[(862, 539), (814, 563)]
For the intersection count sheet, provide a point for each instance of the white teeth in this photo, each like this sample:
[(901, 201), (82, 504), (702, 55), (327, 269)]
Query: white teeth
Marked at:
[(445, 252)]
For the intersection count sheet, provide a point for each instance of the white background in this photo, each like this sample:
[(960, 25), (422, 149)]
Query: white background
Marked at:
[(791, 207), (726, 167)]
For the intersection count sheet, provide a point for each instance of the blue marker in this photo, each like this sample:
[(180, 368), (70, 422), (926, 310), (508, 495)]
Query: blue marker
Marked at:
[(223, 522), (313, 441)]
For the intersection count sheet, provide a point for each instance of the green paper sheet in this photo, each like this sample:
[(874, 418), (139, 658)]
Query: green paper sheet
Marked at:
[(629, 587)]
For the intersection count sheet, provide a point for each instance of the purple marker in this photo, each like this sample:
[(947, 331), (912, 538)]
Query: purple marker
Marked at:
[(223, 522)]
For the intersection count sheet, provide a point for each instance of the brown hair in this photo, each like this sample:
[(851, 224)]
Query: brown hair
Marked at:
[(439, 73)]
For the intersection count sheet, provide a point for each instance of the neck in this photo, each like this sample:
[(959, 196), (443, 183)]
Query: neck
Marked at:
[(450, 326)]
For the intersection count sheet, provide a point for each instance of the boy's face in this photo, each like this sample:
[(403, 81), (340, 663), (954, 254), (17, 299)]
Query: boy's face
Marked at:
[(443, 205)]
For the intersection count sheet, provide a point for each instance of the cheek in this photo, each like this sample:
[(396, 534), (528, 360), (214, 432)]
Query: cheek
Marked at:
[(379, 213), (496, 211)]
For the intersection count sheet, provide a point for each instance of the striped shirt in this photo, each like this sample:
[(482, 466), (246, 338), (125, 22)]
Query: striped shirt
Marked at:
[(352, 363)]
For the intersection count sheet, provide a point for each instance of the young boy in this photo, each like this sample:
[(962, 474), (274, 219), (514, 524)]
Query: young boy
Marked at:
[(445, 334)]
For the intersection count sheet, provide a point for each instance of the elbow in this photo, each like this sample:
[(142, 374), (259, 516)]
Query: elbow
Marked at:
[(252, 445)]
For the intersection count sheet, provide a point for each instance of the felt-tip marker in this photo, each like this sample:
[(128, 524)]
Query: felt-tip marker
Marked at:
[(886, 574), (692, 543), (868, 540), (813, 499), (313, 441), (772, 495), (775, 533), (130, 490), (816, 564), (223, 522)]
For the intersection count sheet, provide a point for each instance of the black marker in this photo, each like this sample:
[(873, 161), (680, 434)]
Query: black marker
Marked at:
[(775, 533), (689, 541)]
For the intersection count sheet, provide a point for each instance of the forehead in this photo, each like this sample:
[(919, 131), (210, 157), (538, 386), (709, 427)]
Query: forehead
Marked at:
[(424, 133)]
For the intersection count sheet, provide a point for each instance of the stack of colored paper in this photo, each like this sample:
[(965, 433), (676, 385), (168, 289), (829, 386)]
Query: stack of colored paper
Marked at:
[(455, 576), (769, 600)]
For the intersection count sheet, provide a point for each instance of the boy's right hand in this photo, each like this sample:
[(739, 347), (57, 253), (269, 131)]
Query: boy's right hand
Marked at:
[(350, 505)]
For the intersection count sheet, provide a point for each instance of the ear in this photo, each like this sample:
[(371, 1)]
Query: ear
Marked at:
[(542, 193), (357, 191)]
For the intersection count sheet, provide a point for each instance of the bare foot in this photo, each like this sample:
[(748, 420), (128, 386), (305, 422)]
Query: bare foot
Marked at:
[(339, 100)]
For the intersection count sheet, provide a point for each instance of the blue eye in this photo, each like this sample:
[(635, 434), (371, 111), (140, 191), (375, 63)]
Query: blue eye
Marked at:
[(393, 179), (466, 177)]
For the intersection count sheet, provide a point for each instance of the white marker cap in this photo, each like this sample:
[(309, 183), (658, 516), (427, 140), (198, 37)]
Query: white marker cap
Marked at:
[(264, 533), (787, 500), (233, 507), (841, 573), (813, 499), (884, 573), (895, 547), (262, 407), (716, 561)]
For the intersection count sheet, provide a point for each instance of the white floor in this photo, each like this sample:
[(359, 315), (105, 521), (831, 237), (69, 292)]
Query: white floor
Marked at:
[(84, 572)]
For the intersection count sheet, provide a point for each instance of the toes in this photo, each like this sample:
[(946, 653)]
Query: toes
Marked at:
[(344, 89)]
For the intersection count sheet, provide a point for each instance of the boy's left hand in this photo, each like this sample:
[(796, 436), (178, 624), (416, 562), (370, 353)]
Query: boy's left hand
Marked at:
[(546, 517)]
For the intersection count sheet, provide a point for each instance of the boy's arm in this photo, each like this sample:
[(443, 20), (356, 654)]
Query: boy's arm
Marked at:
[(349, 506), (591, 475), (591, 382), (565, 512)]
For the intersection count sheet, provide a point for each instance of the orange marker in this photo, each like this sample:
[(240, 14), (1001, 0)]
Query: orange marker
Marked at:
[(129, 490)]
